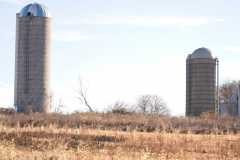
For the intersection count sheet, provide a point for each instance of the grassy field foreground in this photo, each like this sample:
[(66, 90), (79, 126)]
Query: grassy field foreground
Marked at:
[(52, 142)]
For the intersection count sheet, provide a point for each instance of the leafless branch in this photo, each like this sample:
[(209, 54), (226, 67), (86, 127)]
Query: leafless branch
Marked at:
[(152, 104), (82, 96)]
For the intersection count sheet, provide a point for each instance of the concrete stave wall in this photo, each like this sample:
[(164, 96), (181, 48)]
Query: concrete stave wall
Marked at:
[(32, 64), (200, 86)]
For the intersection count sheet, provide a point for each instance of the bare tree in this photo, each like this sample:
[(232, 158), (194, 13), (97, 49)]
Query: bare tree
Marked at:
[(151, 104), (228, 89), (82, 96), (229, 96), (143, 103), (120, 107)]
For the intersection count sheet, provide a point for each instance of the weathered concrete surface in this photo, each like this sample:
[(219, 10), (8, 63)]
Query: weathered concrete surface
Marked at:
[(32, 64)]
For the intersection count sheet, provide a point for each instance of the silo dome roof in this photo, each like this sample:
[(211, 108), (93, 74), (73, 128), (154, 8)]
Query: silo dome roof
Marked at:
[(202, 53), (34, 9)]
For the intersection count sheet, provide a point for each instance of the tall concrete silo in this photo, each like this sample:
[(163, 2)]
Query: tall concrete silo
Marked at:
[(201, 83), (33, 28)]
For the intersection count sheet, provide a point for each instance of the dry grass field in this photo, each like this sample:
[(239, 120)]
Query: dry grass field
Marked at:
[(92, 136)]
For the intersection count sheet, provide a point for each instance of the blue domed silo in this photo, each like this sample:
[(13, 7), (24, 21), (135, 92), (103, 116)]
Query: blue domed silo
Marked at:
[(201, 82), (32, 59)]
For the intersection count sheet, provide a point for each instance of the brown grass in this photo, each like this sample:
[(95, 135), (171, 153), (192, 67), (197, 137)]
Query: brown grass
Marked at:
[(129, 122), (90, 136)]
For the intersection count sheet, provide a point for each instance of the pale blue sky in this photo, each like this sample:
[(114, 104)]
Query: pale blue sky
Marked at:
[(125, 48)]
